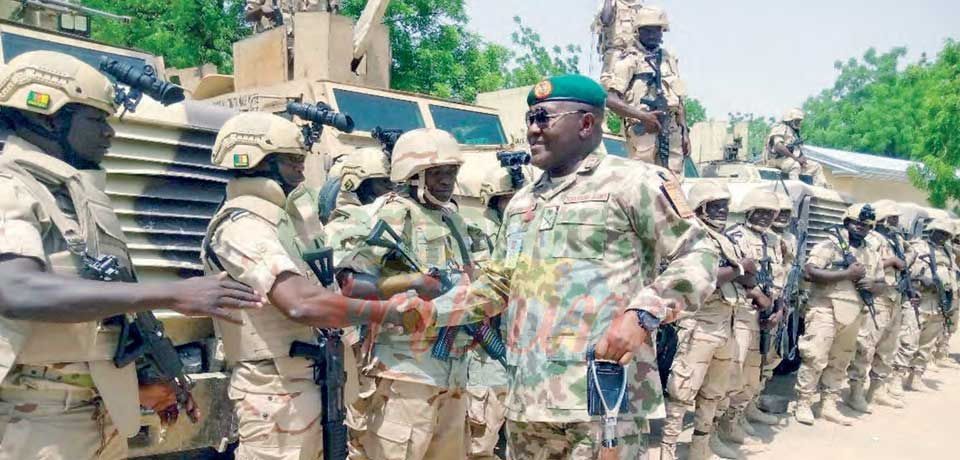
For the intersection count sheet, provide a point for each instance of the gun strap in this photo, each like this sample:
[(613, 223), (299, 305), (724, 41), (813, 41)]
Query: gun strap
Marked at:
[(461, 244)]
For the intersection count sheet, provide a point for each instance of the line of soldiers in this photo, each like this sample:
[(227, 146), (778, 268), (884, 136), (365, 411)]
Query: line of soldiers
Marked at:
[(879, 310)]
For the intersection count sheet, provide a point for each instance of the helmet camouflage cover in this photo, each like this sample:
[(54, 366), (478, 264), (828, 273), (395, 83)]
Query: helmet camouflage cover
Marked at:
[(422, 149), (360, 165), (249, 137), (862, 212), (792, 114), (760, 199), (885, 209), (944, 225), (705, 192), (44, 81), (486, 180), (652, 16)]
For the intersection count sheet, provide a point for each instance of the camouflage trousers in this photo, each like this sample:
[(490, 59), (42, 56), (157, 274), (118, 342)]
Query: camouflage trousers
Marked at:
[(574, 441), (415, 421), (485, 417), (745, 375), (918, 342), (793, 170), (278, 415), (877, 347), (53, 424), (826, 349), (943, 342), (700, 375), (643, 147)]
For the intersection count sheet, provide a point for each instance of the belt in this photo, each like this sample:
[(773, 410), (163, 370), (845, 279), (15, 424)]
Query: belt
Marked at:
[(66, 397), (84, 381)]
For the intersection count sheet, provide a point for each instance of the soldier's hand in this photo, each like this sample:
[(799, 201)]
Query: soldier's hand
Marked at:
[(651, 121), (411, 312), (686, 146), (158, 396), (749, 266), (899, 264), (802, 160), (856, 272), (215, 296), (624, 337)]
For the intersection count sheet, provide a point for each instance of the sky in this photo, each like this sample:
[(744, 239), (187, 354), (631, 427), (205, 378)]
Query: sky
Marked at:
[(759, 56)]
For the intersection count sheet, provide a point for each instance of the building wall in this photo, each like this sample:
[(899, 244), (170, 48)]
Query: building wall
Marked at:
[(868, 190)]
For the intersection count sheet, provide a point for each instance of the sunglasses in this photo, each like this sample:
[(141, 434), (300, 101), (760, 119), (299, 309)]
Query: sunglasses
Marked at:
[(542, 118)]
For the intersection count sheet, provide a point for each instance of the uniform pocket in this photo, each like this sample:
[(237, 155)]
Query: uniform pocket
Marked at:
[(392, 439), (477, 405), (580, 230)]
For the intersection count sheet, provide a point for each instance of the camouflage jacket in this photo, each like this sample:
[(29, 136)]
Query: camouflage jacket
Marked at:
[(780, 133), (632, 76), (753, 243), (717, 312), (827, 254), (575, 251)]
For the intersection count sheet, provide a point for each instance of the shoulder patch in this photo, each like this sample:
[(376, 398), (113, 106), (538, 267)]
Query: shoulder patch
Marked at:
[(674, 194)]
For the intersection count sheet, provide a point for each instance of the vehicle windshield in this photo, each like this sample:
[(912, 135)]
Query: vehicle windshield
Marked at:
[(615, 147), (471, 128), (369, 111), (14, 45)]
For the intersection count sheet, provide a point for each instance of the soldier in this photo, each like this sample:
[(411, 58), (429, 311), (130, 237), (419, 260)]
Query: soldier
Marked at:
[(835, 311), (942, 355), (357, 178), (932, 274), (417, 410), (701, 368), (61, 396), (486, 377), (576, 264), (760, 207), (877, 348), (614, 26), (267, 14), (632, 88), (259, 236), (784, 151)]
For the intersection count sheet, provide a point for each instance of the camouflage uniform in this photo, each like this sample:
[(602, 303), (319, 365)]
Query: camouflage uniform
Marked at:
[(288, 8), (705, 345), (632, 76), (918, 341), (573, 252), (833, 319), (616, 37), (785, 135), (417, 409), (61, 396), (258, 234)]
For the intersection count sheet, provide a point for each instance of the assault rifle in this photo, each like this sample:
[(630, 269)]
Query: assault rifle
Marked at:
[(658, 103), (904, 281), (484, 333), (791, 300), (143, 337), (766, 283), (944, 295), (330, 375), (849, 259)]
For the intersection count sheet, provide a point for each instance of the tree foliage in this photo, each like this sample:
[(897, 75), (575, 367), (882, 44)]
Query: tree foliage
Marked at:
[(186, 33), (695, 111), (535, 61), (881, 105), (758, 128)]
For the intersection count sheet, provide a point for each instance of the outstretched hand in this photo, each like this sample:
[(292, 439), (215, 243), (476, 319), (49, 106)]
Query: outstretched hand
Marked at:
[(214, 295)]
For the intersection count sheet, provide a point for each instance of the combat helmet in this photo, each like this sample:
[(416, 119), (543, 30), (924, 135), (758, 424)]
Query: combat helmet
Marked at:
[(419, 150), (360, 165), (793, 114), (44, 81), (651, 16), (885, 209), (786, 204), (861, 212), (758, 199), (706, 192), (486, 181), (249, 137), (942, 224)]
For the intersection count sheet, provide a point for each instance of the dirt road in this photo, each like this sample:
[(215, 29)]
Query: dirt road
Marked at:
[(925, 429)]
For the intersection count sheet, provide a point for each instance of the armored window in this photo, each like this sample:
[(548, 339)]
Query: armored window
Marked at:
[(369, 111), (469, 127)]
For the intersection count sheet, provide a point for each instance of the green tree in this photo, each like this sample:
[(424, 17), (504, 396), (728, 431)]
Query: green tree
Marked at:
[(186, 33), (534, 62), (695, 111), (758, 129)]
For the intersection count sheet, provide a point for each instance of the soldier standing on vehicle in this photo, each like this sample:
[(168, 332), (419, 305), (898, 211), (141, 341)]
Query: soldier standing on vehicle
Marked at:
[(877, 348), (932, 275), (644, 88), (760, 207), (614, 27), (260, 236), (418, 409), (577, 244), (62, 395), (486, 377), (267, 14), (701, 368), (784, 150), (841, 286)]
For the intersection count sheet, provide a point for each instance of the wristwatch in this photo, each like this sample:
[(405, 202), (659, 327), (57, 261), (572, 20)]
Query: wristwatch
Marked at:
[(647, 320)]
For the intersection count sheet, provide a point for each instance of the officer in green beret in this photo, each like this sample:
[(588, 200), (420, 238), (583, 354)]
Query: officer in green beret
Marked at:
[(575, 269)]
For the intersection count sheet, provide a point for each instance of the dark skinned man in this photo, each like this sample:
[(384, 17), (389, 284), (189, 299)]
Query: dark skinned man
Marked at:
[(784, 150), (835, 312), (61, 394)]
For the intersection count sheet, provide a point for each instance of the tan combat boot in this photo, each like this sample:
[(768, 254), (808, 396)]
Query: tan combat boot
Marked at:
[(895, 386), (948, 362), (858, 398), (915, 383), (884, 397), (720, 448), (729, 428), (754, 414), (831, 411), (700, 448), (803, 412)]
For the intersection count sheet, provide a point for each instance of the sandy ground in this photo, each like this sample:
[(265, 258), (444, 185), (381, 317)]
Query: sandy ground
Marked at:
[(924, 429)]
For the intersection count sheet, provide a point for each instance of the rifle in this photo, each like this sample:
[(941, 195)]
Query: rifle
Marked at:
[(765, 281), (330, 375), (484, 333), (904, 281), (849, 259), (944, 295), (143, 337), (657, 103), (790, 300)]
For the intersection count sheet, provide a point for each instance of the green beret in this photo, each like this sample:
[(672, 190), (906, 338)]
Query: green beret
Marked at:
[(570, 87)]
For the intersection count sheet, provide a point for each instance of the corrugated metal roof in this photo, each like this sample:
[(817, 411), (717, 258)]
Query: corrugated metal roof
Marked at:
[(844, 163)]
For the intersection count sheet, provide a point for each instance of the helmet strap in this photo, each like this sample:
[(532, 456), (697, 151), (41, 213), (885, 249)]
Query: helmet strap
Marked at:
[(424, 195)]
